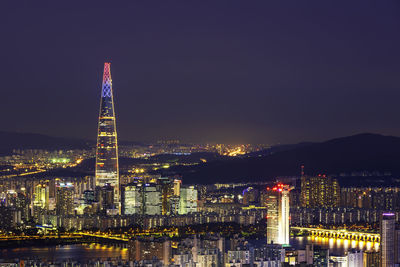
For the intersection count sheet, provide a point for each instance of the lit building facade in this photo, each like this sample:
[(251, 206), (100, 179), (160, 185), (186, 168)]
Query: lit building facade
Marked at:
[(64, 199), (149, 249), (107, 171), (388, 244), (133, 200), (277, 203), (283, 233), (188, 200), (41, 196), (272, 204), (152, 200), (319, 191)]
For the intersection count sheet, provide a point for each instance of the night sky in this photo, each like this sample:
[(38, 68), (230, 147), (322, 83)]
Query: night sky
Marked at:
[(224, 71)]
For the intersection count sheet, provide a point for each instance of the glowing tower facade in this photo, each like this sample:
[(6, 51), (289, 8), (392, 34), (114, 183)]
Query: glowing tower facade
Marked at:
[(277, 203), (107, 171), (283, 233)]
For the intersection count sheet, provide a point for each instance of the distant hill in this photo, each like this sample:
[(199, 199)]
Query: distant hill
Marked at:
[(10, 141), (198, 157), (362, 152), (277, 148)]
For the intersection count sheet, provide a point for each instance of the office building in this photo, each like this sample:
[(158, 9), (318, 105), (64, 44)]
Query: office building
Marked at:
[(64, 199), (152, 200), (132, 200), (188, 200), (277, 203)]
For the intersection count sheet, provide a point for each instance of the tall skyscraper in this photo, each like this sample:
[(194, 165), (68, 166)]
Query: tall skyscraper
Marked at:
[(388, 244), (277, 202), (272, 204), (107, 171), (283, 236)]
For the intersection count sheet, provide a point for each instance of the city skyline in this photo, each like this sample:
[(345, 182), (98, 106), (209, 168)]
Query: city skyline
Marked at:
[(190, 73), (234, 134)]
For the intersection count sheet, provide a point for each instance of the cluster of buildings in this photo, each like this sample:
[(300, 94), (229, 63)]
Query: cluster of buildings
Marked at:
[(108, 200)]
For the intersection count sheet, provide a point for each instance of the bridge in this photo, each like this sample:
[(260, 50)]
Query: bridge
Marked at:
[(341, 234)]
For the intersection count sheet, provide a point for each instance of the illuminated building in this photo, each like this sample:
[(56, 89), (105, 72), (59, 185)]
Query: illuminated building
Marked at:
[(319, 191), (174, 205), (355, 258), (167, 191), (107, 171), (64, 199), (277, 203), (89, 196), (188, 200), (106, 198), (283, 232), (250, 196), (149, 248), (320, 256), (272, 204), (152, 200), (177, 186), (40, 202), (387, 242), (371, 259), (132, 200), (41, 196)]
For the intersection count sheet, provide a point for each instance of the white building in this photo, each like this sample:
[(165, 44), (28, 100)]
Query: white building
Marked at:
[(277, 203), (355, 259), (152, 200), (283, 232), (133, 200), (188, 200)]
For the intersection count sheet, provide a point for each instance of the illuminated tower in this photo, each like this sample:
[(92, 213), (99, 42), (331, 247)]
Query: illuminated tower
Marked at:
[(283, 233), (107, 171), (277, 202)]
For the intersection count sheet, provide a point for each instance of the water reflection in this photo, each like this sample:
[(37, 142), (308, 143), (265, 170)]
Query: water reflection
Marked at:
[(336, 246), (86, 252), (79, 252)]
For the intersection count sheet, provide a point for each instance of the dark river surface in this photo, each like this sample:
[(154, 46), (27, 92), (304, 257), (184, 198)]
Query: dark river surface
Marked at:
[(86, 252)]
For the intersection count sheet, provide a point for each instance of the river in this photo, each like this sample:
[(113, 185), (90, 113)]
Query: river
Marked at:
[(86, 252)]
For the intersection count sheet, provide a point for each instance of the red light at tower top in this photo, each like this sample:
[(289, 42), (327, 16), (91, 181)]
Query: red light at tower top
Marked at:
[(280, 187)]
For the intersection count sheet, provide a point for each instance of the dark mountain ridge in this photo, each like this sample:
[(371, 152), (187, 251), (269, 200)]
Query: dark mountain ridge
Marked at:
[(362, 152)]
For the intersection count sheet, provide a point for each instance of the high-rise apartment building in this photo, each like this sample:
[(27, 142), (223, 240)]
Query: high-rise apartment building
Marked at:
[(319, 191), (41, 197), (388, 242), (149, 249), (107, 171), (64, 199)]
